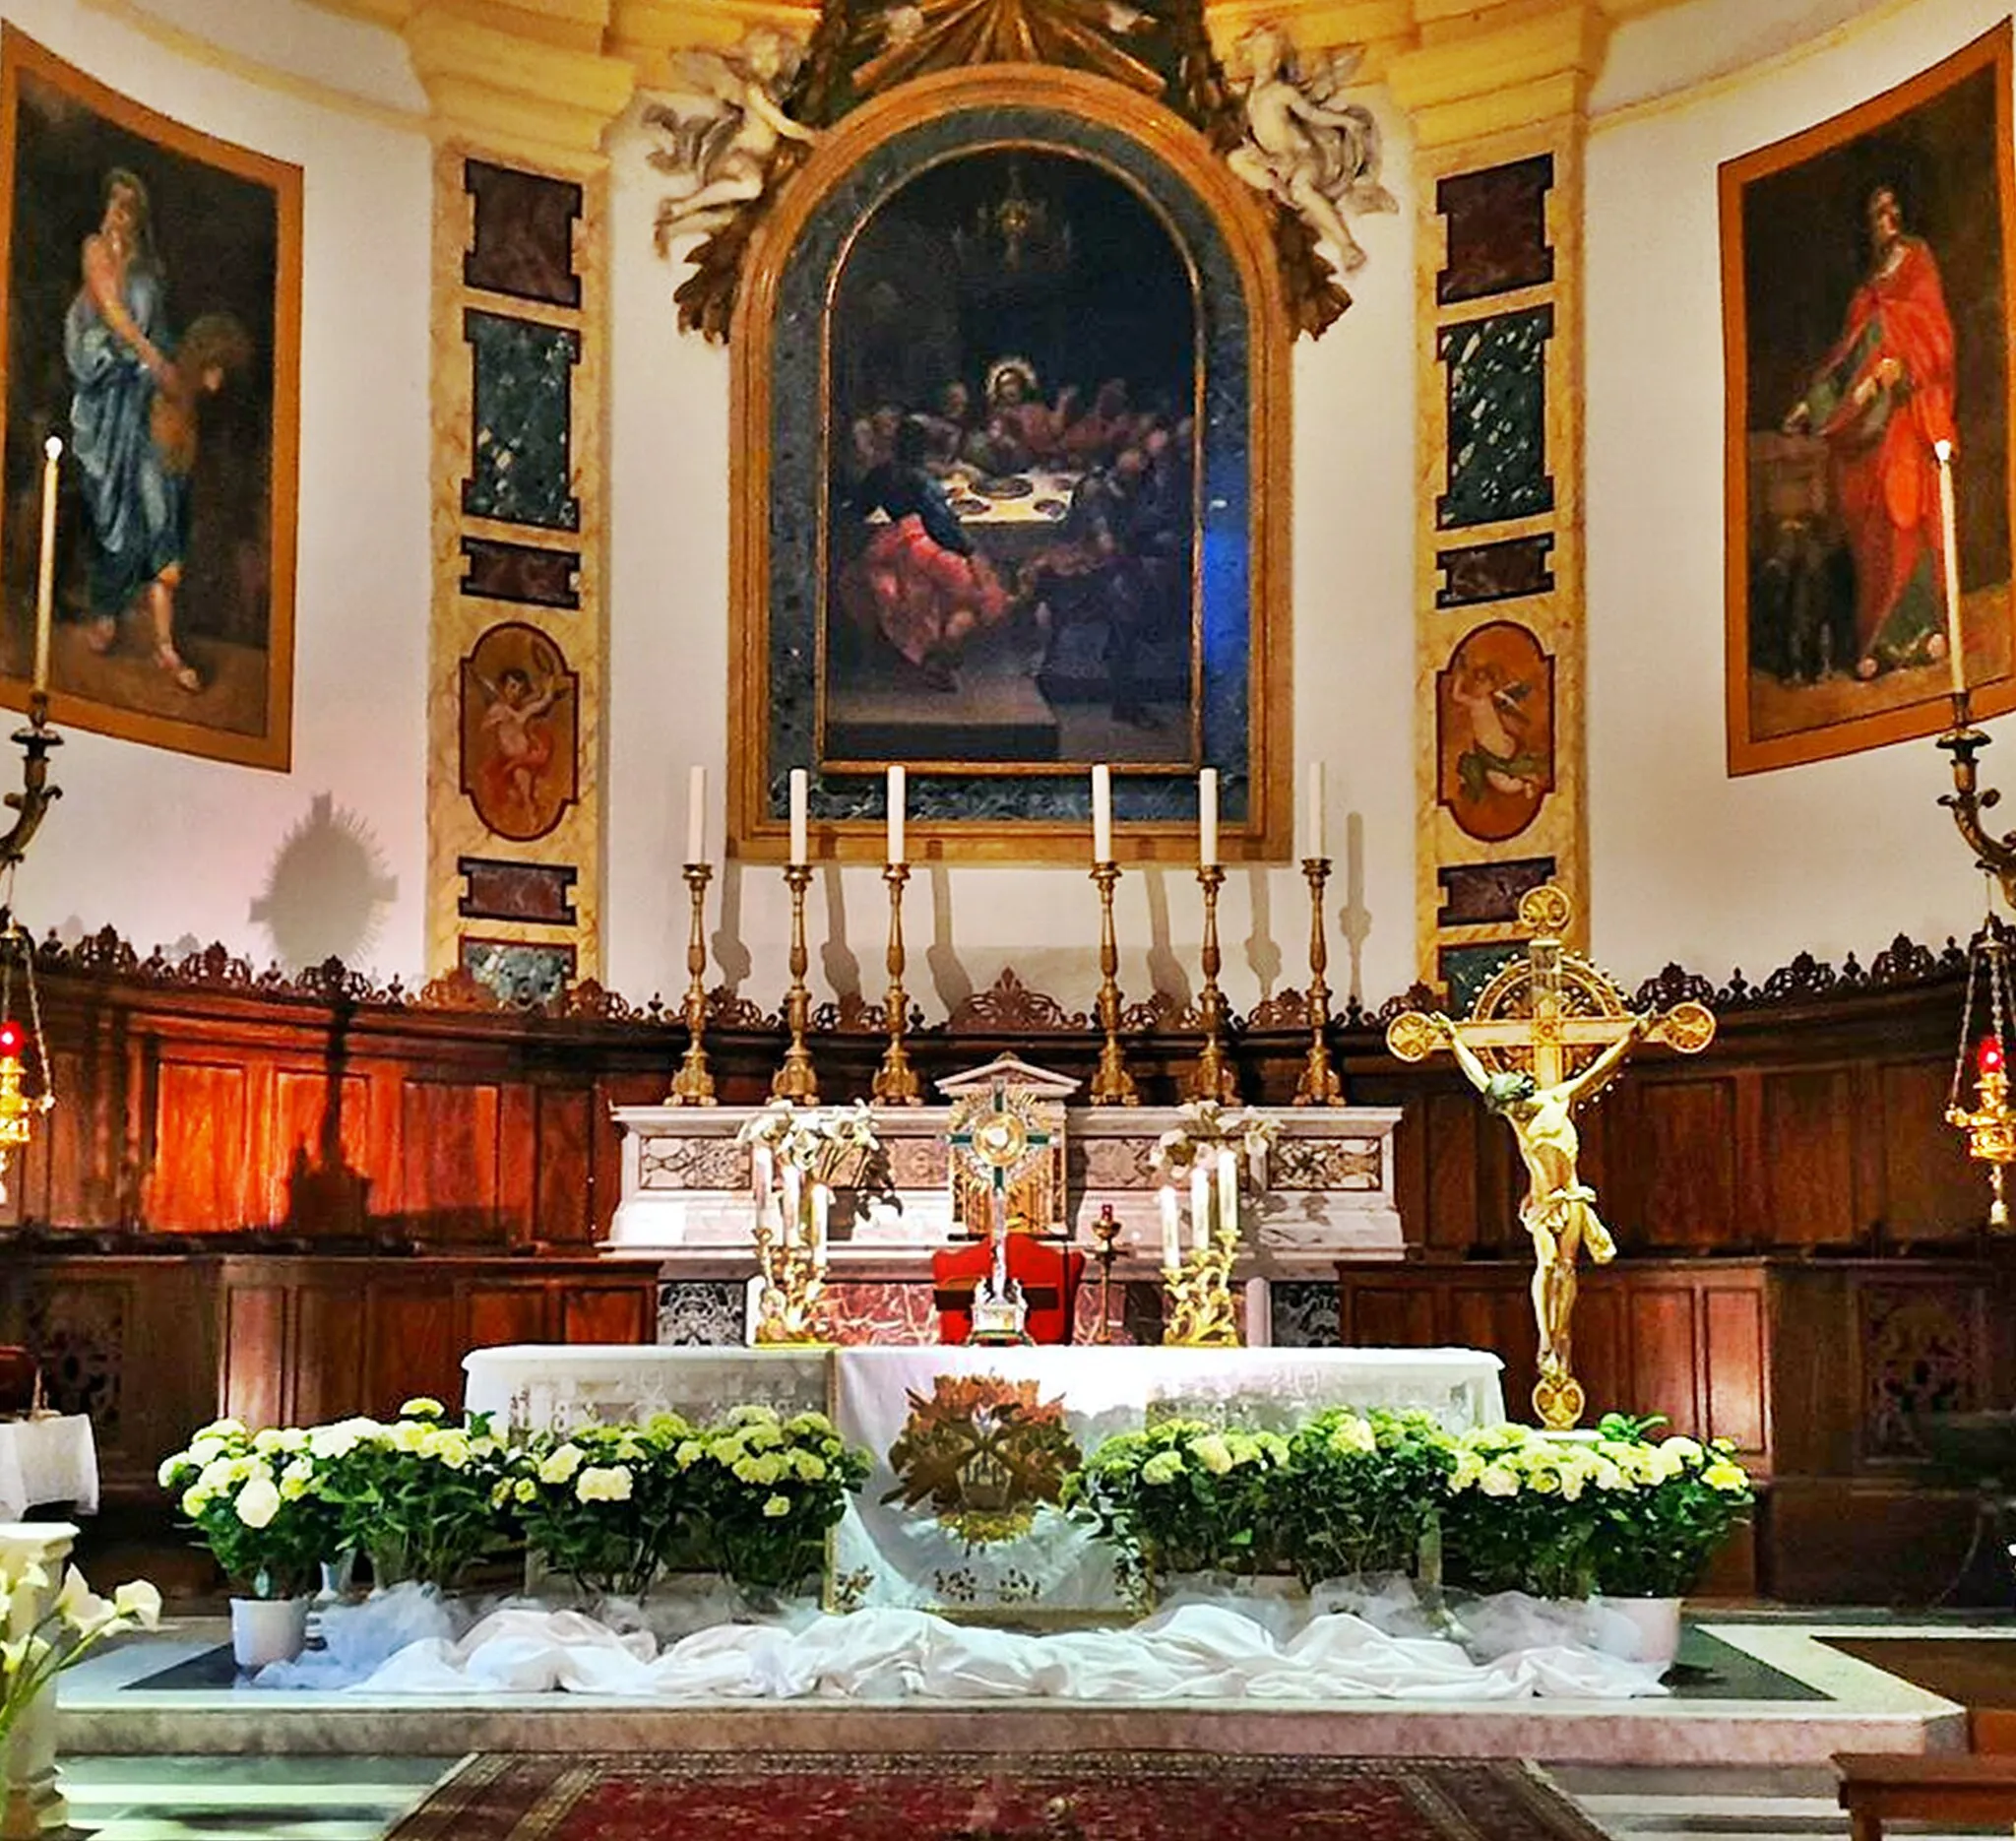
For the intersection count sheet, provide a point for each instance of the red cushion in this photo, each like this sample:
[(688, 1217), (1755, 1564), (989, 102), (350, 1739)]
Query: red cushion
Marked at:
[(1050, 1276)]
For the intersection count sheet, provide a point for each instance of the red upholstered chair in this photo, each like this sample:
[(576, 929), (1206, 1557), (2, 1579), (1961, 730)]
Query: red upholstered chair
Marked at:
[(1049, 1275)]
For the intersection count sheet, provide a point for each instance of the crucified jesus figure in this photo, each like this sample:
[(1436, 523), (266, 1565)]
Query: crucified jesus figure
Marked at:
[(1559, 1209)]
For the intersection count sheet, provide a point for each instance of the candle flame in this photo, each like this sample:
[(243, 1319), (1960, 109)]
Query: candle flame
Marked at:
[(1942, 452), (53, 447)]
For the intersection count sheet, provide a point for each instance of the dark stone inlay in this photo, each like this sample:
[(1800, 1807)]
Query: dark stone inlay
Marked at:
[(1496, 387), (796, 479), (520, 415), (519, 972), (1480, 894), (1485, 572), (1497, 229), (522, 573), (524, 242), (1465, 970), (495, 890)]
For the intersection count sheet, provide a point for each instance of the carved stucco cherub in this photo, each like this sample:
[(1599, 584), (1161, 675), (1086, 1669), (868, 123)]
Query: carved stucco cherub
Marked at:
[(1319, 156), (725, 138)]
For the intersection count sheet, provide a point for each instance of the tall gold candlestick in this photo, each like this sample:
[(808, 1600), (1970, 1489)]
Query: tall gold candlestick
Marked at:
[(1214, 1078), (1318, 1084), (895, 1081), (1112, 1084), (795, 1080), (693, 1085)]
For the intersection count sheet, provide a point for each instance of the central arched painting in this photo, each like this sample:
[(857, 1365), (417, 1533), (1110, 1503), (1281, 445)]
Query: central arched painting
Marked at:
[(1013, 356)]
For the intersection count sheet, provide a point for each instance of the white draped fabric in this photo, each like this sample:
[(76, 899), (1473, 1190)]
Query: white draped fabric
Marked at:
[(408, 1644), (47, 1460)]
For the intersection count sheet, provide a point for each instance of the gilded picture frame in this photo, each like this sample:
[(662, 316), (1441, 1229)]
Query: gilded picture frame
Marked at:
[(1867, 301), (1051, 623), (154, 324)]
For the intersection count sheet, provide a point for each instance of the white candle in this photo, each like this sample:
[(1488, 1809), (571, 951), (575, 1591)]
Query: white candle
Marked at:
[(763, 1167), (801, 787), (794, 1190), (897, 792), (821, 1200), (1172, 1242), (45, 568), (696, 813), (1949, 565), (1316, 836), (1101, 813), (1229, 1190), (1200, 1201), (1207, 818)]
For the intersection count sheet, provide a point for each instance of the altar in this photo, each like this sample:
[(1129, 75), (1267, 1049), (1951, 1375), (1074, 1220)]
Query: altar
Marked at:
[(959, 1511)]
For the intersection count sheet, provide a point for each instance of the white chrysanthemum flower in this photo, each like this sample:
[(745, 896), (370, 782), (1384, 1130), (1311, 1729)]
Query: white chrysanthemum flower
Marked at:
[(777, 1505), (608, 1482), (258, 1502), (560, 1464), (1212, 1453)]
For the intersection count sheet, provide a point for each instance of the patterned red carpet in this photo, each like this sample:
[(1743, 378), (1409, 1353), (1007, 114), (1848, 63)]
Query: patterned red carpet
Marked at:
[(1094, 1796)]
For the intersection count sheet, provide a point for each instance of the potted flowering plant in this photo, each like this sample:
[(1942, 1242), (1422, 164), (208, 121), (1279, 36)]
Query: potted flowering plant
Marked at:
[(255, 1500), (1359, 1493), (1182, 1497), (765, 1490), (416, 1497), (610, 1507), (1525, 1513)]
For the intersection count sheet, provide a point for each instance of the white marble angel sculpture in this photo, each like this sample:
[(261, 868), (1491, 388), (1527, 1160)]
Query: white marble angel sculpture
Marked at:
[(1319, 156), (722, 152)]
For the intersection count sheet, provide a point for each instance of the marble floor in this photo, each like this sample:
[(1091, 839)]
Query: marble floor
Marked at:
[(162, 1743)]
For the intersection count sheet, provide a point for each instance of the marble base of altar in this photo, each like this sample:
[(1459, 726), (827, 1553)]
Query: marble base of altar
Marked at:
[(976, 1541), (687, 1194)]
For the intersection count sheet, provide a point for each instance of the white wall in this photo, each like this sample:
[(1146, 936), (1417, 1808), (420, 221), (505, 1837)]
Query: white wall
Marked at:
[(1353, 666), (1690, 864), (167, 848)]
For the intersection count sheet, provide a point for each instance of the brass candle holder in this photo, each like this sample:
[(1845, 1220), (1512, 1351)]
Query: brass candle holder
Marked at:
[(1318, 1084), (796, 1079), (1214, 1077), (1202, 1312), (1112, 1085), (1991, 1126), (36, 795), (1105, 1235), (1966, 802), (895, 1081), (693, 1083)]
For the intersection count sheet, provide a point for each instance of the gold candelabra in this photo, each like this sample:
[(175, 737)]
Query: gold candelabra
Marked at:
[(795, 1080), (693, 1085), (1215, 1076), (1966, 802), (1105, 1235), (790, 1312), (1112, 1085), (895, 1081), (37, 796), (1318, 1084), (1202, 1312)]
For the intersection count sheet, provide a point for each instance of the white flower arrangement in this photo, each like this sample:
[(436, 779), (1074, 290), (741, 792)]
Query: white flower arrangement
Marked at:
[(59, 1637)]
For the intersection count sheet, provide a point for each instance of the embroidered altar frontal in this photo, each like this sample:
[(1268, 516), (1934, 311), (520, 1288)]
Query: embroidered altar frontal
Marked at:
[(970, 1447), (1107, 1797)]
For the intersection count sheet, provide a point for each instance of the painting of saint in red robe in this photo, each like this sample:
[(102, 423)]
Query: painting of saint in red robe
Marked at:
[(1866, 316)]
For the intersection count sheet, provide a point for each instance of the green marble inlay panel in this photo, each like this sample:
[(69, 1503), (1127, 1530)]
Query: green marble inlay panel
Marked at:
[(521, 413), (1495, 371)]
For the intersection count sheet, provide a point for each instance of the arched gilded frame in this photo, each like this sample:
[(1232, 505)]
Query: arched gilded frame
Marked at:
[(1001, 595)]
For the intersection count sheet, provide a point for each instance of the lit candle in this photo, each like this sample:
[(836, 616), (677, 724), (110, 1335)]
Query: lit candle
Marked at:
[(898, 791), (696, 813), (1200, 1202), (1207, 818), (1987, 1058), (1171, 1242), (1949, 563), (1316, 838), (1101, 813), (802, 786), (45, 568), (1229, 1188)]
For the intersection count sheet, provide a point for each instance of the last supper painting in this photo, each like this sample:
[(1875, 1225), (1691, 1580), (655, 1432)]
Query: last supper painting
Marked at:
[(1012, 369)]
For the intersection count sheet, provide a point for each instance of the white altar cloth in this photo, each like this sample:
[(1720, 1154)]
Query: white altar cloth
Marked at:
[(47, 1460), (886, 1553)]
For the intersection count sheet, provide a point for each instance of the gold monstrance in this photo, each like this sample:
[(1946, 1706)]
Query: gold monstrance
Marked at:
[(1544, 1033)]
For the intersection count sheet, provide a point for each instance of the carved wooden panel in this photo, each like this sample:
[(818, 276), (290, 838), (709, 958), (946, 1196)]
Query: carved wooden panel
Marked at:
[(256, 1330), (199, 1146), (1665, 1377), (328, 1353), (449, 1170), (1686, 1153), (1733, 1366), (1811, 1123), (1930, 1189), (562, 1209), (312, 1143), (607, 1314), (413, 1347), (499, 1314)]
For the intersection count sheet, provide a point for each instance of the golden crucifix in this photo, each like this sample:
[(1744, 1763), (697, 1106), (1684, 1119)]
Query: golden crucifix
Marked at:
[(1544, 1033)]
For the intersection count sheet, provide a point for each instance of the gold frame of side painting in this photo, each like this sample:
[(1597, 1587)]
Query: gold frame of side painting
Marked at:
[(188, 459), (1868, 293), (1224, 403)]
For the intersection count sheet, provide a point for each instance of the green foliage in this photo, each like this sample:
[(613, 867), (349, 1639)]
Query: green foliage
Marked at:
[(1182, 1497), (259, 1501), (1658, 1539), (610, 1506), (766, 1490), (1358, 1491)]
